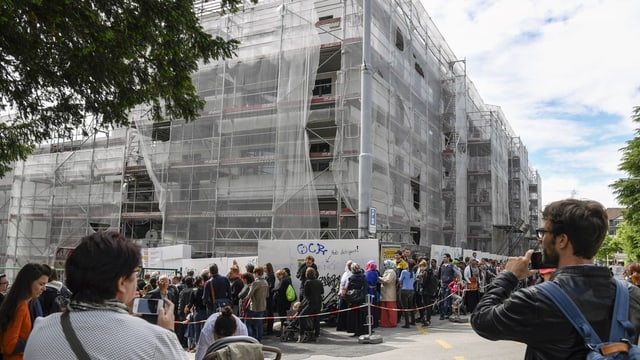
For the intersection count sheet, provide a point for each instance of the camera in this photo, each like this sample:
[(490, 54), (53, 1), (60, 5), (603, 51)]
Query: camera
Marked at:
[(536, 261)]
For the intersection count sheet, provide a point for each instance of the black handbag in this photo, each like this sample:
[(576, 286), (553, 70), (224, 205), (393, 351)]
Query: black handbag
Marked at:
[(353, 295)]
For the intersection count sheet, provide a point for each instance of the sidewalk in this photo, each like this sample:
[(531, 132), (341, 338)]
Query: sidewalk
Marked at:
[(442, 340)]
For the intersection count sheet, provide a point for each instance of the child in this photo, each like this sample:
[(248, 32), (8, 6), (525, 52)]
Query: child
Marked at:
[(288, 331), (295, 307), (190, 333), (456, 288)]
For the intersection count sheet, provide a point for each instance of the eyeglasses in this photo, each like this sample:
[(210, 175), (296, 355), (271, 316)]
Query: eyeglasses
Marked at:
[(540, 233)]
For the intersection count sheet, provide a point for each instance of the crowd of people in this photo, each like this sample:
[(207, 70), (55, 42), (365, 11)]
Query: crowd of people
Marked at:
[(193, 302), (411, 289), (41, 316)]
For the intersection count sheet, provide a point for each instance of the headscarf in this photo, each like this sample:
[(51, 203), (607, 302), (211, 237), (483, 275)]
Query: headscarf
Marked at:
[(389, 264), (371, 265), (355, 268)]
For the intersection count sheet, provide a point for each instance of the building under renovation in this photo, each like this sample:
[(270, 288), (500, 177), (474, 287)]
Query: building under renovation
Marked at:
[(276, 152)]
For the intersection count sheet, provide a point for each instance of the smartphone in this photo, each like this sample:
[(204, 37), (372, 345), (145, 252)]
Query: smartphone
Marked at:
[(536, 261), (147, 306)]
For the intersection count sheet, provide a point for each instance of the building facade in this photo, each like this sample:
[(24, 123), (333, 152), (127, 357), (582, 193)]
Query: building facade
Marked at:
[(275, 153)]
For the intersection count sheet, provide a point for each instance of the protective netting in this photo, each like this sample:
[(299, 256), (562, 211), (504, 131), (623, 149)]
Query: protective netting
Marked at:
[(242, 172), (274, 154), (56, 197)]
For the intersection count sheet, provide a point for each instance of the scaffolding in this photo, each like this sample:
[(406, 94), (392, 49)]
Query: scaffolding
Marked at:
[(274, 154)]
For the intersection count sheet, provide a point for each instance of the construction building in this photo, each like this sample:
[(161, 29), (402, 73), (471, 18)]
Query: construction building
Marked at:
[(275, 153)]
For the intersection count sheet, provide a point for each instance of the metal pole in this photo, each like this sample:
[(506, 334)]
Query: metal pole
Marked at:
[(365, 159)]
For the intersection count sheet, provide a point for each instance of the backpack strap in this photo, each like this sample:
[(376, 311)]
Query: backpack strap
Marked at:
[(621, 327), (570, 311)]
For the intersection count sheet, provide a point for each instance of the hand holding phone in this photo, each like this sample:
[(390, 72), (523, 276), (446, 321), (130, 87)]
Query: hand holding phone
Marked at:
[(147, 306), (165, 316), (537, 263), (519, 265)]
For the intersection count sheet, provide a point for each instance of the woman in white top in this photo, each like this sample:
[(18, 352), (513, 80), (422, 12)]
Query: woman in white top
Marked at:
[(342, 303)]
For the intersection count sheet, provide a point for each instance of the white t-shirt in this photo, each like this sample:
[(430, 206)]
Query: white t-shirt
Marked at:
[(206, 335)]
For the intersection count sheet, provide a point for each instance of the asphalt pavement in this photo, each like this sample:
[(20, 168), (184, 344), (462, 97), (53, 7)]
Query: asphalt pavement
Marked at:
[(444, 339)]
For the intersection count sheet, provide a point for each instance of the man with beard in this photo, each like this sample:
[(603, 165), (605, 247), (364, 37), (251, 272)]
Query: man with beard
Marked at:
[(572, 233)]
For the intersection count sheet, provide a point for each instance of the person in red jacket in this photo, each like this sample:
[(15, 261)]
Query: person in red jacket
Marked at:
[(15, 320), (456, 288)]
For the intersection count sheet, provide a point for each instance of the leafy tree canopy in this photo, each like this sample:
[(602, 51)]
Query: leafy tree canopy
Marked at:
[(628, 190), (64, 61), (628, 236), (610, 246)]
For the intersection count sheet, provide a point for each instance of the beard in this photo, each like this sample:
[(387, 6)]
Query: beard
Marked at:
[(550, 256)]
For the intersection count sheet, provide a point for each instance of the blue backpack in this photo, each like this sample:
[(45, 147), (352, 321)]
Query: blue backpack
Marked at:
[(619, 346)]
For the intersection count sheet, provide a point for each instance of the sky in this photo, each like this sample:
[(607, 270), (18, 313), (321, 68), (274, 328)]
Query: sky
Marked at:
[(566, 74)]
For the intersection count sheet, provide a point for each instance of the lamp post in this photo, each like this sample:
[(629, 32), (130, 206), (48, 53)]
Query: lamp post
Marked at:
[(365, 159)]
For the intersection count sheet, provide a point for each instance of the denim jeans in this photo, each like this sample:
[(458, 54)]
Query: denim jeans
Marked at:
[(254, 326), (201, 315), (445, 305)]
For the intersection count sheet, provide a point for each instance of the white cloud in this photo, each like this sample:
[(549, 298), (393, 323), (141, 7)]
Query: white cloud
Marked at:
[(565, 74)]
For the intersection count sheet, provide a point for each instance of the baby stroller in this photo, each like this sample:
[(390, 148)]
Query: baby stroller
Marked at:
[(292, 326), (241, 348), (329, 304)]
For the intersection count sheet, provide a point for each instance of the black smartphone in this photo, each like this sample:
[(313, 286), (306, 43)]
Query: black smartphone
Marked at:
[(536, 261)]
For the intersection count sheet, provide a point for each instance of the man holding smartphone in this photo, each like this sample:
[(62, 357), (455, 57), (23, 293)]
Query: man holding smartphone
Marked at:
[(573, 232)]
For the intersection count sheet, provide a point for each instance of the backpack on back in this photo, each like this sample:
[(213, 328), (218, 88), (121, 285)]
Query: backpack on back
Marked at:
[(54, 300), (619, 346), (290, 293)]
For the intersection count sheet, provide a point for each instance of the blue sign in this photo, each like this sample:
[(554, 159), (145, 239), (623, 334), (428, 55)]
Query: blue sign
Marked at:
[(372, 220)]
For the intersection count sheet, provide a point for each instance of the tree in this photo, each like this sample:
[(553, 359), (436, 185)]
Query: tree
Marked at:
[(628, 236), (65, 61), (628, 190), (610, 246)]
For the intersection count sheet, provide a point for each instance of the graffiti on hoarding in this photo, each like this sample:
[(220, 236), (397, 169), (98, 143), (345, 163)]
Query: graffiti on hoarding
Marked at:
[(311, 248), (330, 280)]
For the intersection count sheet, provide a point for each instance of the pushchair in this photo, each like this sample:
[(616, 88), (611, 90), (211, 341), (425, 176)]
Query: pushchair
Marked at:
[(292, 326), (329, 305), (241, 348)]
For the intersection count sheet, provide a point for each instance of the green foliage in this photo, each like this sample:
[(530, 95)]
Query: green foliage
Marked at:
[(610, 246), (64, 61), (628, 235), (628, 190)]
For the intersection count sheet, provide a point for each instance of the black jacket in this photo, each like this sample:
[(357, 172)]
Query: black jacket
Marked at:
[(221, 289), (528, 316), (313, 291), (280, 295), (358, 281), (302, 272)]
